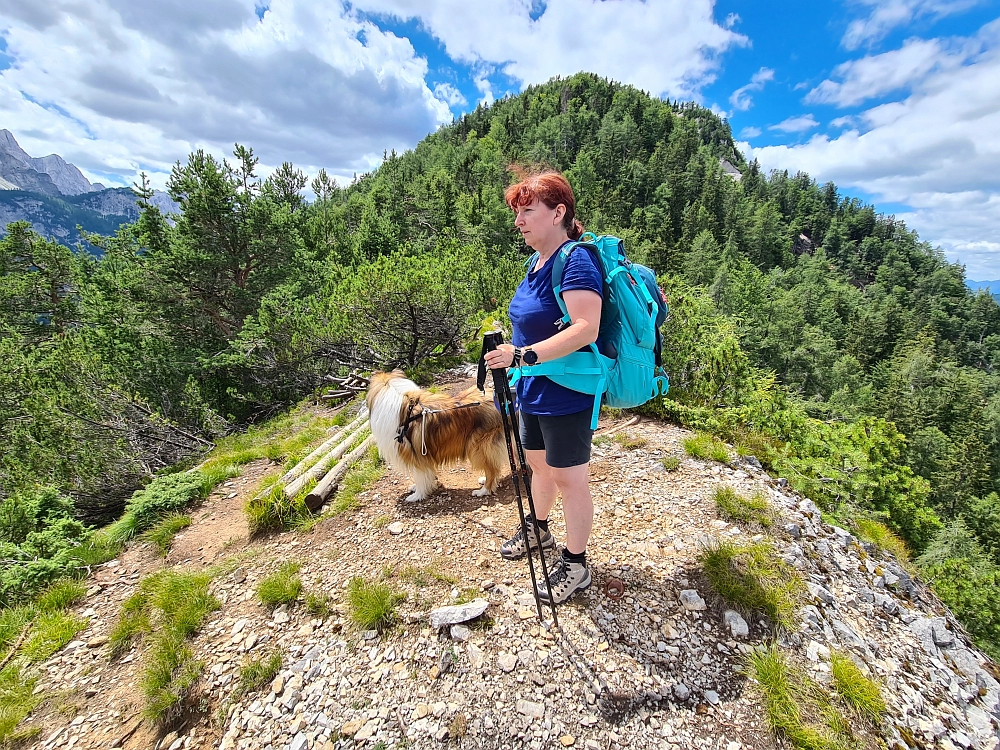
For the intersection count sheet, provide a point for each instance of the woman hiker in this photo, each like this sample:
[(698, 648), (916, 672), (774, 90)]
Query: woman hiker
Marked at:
[(554, 421)]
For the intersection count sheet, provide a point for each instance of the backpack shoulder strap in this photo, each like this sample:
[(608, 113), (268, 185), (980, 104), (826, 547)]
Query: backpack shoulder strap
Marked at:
[(586, 241)]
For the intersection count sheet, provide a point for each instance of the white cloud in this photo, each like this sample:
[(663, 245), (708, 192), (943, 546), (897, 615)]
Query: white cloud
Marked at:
[(936, 151), (450, 95), (138, 85), (741, 99), (667, 48), (731, 20), (797, 124), (876, 75), (750, 132), (886, 15), (844, 122)]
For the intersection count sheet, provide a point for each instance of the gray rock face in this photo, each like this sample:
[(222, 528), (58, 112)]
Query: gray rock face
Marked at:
[(457, 613)]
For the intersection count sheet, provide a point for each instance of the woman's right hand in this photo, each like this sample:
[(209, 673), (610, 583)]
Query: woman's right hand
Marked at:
[(501, 357)]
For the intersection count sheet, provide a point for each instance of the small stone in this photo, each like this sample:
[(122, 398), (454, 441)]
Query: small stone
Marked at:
[(736, 624), (507, 662), (529, 708), (712, 697), (238, 626), (460, 633), (567, 740), (299, 742), (239, 575), (421, 711), (396, 528), (278, 685), (692, 601), (97, 641), (458, 613), (351, 728), (476, 658), (682, 691), (366, 731)]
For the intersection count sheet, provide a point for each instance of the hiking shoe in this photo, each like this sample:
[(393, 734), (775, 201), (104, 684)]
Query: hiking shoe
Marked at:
[(567, 578), (515, 548)]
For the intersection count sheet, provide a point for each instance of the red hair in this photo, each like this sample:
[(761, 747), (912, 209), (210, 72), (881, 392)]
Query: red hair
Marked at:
[(549, 188)]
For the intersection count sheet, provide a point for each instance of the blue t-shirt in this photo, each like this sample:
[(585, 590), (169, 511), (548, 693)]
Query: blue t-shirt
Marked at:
[(534, 313)]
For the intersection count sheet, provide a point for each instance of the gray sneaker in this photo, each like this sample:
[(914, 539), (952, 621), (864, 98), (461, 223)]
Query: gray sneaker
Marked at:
[(515, 548), (567, 578)]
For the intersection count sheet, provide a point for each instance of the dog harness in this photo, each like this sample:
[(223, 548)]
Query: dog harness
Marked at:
[(403, 432)]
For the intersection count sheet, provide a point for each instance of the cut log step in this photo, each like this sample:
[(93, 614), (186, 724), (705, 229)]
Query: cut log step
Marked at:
[(326, 447), (322, 490), (294, 487)]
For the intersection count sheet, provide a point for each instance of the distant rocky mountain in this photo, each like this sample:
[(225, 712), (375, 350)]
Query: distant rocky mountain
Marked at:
[(55, 196), (993, 287)]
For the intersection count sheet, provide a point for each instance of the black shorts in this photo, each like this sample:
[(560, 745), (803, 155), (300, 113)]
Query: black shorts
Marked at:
[(565, 439)]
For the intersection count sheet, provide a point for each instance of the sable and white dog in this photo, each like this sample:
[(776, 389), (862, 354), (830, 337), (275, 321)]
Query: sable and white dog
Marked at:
[(437, 429)]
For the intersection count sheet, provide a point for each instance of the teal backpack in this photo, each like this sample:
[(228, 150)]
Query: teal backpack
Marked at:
[(631, 316)]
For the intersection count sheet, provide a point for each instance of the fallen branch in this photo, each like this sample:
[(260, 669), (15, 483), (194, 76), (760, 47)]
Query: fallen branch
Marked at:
[(17, 645), (323, 488), (295, 487)]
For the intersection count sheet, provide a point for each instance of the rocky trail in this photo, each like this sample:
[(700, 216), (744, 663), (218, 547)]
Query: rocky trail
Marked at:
[(660, 667)]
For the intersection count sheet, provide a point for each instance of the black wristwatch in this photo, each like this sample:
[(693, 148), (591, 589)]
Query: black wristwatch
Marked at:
[(529, 355), (516, 358)]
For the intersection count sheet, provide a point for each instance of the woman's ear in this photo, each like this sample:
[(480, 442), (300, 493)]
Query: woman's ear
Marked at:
[(560, 210)]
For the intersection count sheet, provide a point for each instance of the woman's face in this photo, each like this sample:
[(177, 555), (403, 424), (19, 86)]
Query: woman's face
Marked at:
[(539, 224)]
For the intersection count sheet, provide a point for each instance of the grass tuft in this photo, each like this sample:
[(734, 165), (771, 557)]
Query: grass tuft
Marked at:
[(749, 511), (163, 533), (281, 587), (881, 536), (860, 693), (17, 700), (318, 605), (50, 632), (671, 463), (705, 446), (168, 607), (752, 577), (60, 595), (372, 606), (630, 442), (786, 694), (272, 510)]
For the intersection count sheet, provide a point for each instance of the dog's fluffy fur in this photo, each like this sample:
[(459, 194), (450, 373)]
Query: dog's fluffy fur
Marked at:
[(473, 433)]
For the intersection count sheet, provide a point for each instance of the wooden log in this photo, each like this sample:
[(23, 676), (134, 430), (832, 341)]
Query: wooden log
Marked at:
[(326, 447), (294, 487), (322, 490)]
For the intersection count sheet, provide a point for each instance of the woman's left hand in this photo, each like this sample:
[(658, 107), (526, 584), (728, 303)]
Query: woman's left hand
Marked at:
[(501, 357)]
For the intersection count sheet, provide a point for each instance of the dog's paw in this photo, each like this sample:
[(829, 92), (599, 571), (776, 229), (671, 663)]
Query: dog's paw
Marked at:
[(412, 488), (482, 481), (481, 492), (414, 497)]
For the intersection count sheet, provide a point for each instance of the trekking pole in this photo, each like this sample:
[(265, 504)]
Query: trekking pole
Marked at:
[(518, 469)]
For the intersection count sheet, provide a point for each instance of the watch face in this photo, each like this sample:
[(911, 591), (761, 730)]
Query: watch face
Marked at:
[(530, 357)]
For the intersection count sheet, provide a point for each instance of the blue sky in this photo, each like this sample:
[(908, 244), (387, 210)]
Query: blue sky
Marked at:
[(897, 101)]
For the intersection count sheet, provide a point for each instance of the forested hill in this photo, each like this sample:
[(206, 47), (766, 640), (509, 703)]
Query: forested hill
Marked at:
[(814, 333)]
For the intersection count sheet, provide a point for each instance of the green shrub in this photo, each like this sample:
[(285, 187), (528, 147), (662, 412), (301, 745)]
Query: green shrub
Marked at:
[(37, 536), (281, 587), (752, 577), (372, 606), (163, 496)]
